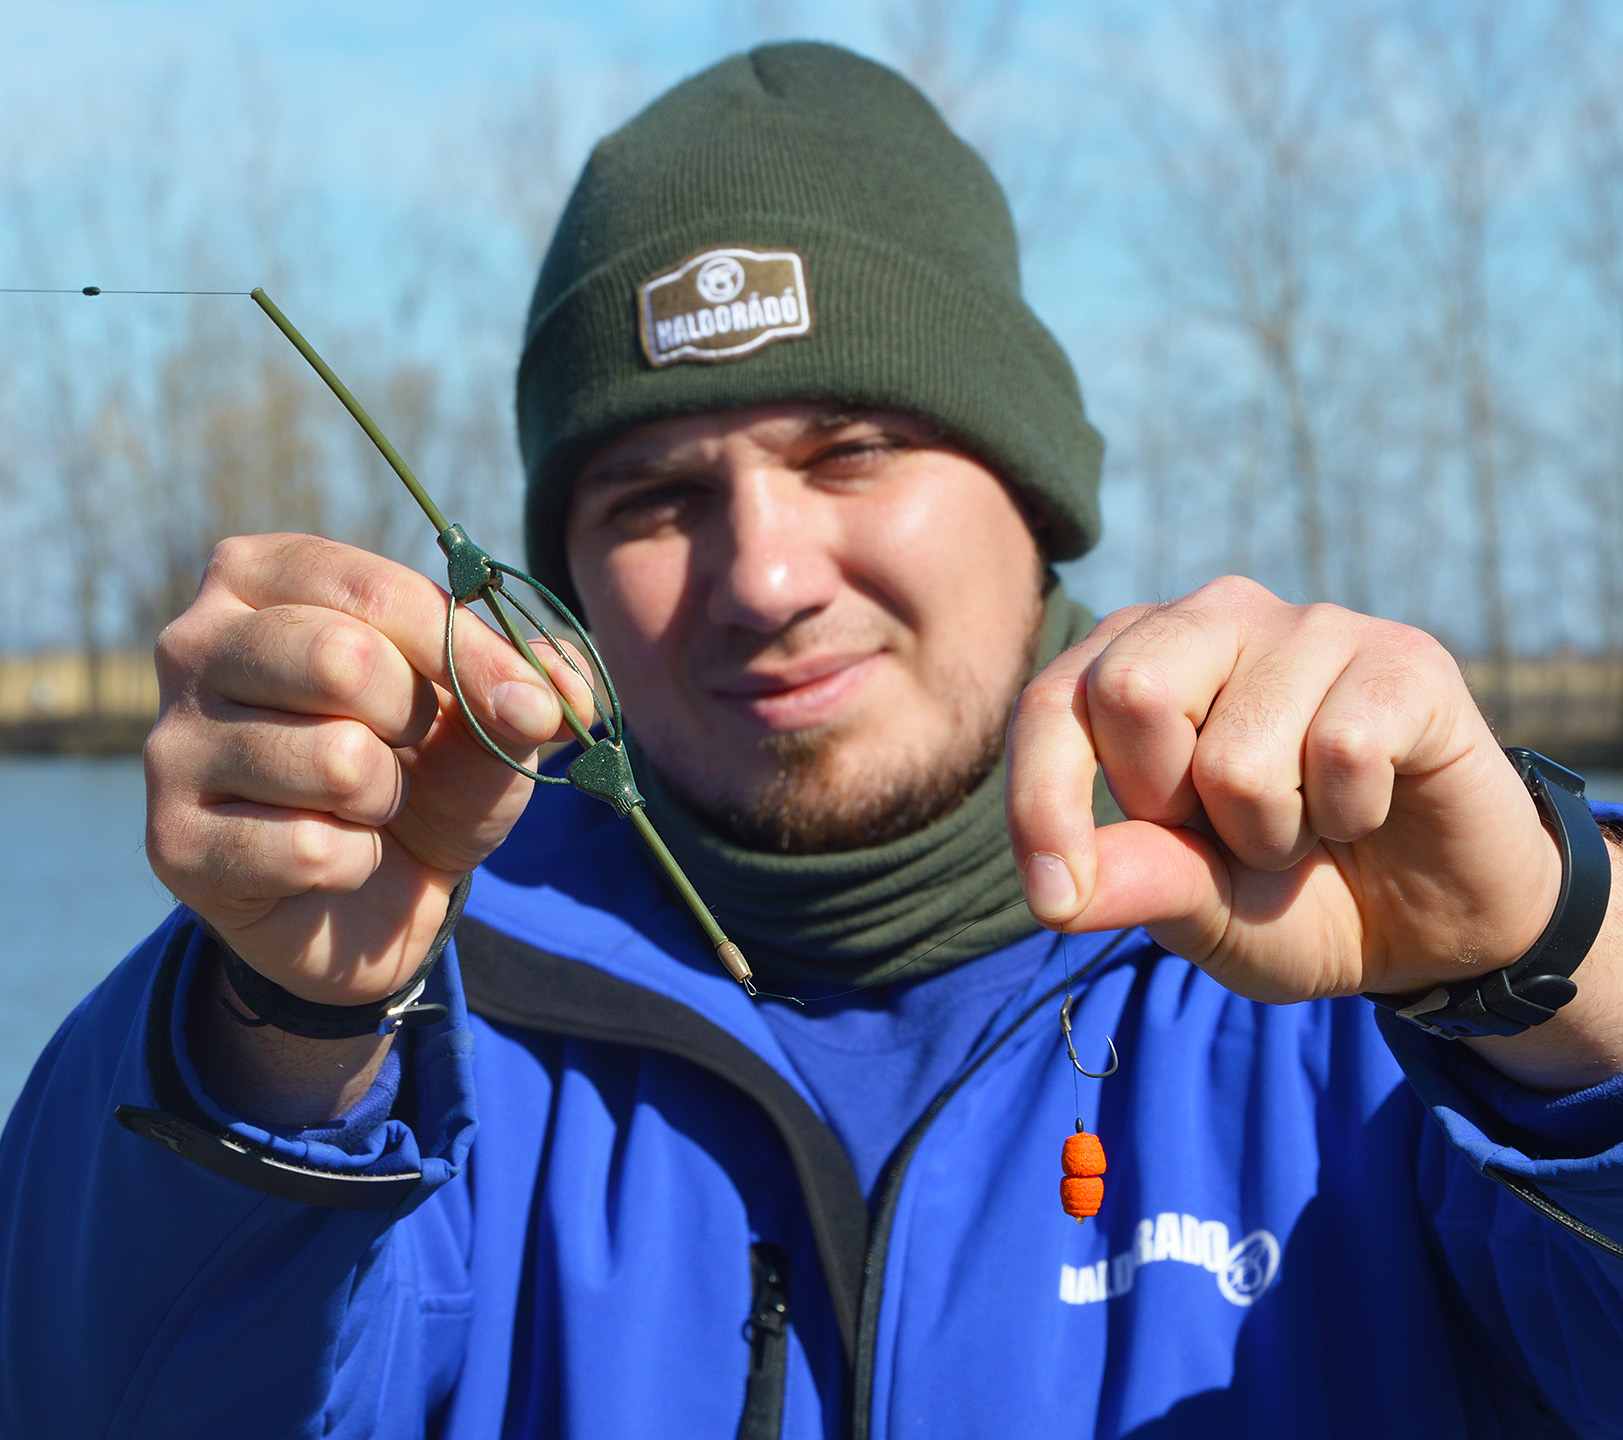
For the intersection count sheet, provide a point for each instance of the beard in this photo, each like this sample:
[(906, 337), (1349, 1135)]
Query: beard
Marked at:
[(807, 810), (820, 799)]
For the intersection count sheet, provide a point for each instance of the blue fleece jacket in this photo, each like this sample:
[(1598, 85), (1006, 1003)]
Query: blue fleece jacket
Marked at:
[(1289, 1245)]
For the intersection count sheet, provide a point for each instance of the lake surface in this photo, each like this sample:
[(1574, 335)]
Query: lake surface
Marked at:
[(76, 894)]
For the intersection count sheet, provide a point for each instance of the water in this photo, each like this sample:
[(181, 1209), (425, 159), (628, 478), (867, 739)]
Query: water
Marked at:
[(76, 894)]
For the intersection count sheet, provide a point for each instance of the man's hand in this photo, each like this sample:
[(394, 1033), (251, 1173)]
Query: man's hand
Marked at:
[(312, 791), (1315, 807)]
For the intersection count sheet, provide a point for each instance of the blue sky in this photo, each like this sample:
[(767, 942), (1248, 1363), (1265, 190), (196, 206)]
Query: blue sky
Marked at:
[(376, 118), (368, 127), (377, 96)]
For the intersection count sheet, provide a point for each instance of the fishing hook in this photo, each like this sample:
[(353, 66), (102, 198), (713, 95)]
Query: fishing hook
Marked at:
[(1070, 1049)]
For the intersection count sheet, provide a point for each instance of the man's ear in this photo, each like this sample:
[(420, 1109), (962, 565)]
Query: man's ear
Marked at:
[(1040, 523)]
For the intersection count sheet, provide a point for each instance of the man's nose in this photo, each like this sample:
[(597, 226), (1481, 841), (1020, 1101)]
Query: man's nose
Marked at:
[(777, 564)]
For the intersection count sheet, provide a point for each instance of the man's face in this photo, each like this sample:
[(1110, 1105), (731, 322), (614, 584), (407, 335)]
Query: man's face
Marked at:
[(817, 621)]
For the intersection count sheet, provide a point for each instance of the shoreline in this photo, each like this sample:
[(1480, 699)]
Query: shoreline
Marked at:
[(1566, 705), (114, 735), (75, 735)]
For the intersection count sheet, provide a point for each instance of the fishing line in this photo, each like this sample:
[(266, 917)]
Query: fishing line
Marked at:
[(1065, 959), (601, 769), (97, 290)]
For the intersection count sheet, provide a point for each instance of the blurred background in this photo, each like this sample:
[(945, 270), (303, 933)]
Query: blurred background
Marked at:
[(1344, 286)]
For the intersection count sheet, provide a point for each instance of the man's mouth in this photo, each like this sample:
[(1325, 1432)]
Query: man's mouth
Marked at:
[(800, 695)]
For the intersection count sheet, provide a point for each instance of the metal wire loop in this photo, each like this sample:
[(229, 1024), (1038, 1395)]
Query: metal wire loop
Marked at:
[(608, 709), (467, 711)]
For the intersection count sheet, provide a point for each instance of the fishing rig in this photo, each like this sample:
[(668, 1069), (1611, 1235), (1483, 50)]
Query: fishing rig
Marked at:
[(1082, 1159), (602, 769)]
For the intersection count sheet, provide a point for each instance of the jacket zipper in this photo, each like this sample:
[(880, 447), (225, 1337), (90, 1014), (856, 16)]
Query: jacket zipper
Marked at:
[(512, 982), (767, 1331), (859, 1417)]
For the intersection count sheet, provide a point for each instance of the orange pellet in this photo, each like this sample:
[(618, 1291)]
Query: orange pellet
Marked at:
[(1081, 1195), (1081, 1192), (1083, 1155)]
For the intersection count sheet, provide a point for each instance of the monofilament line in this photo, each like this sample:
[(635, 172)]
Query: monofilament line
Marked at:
[(97, 290), (1065, 959)]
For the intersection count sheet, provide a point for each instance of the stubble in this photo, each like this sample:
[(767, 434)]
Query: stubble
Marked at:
[(819, 799)]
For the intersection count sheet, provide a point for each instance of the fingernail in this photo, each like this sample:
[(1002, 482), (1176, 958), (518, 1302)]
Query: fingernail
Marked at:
[(526, 710), (1050, 891)]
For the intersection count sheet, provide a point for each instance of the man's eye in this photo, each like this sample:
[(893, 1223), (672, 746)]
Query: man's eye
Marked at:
[(655, 506), (858, 457)]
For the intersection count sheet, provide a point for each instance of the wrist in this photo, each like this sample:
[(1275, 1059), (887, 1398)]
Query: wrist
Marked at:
[(1531, 989), (1582, 1045), (265, 1074), (256, 1000), (279, 1058)]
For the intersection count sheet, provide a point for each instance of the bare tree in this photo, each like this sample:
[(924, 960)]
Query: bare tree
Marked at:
[(1250, 224), (1477, 98), (1595, 240), (1325, 380), (81, 434), (530, 171), (949, 48)]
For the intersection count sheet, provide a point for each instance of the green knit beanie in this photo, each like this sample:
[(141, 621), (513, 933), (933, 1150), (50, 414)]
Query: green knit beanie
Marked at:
[(794, 224)]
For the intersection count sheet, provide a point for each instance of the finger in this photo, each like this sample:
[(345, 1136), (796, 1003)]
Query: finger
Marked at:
[(265, 571), (462, 801), (308, 660), (243, 858), (1171, 880), (1049, 796), (338, 767), (517, 690), (1248, 762), (1378, 717), (1148, 695), (1261, 935)]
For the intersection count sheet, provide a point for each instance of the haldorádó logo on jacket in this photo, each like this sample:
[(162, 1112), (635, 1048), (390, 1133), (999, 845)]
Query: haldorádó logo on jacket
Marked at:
[(1243, 1270)]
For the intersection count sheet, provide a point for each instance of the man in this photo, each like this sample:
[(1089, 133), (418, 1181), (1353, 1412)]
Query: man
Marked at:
[(811, 539)]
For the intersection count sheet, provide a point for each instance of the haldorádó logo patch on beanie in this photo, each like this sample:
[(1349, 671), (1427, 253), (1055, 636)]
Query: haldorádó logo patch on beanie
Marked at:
[(722, 304)]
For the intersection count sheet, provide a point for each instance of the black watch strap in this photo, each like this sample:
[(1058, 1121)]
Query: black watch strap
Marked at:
[(1529, 990), (282, 1010)]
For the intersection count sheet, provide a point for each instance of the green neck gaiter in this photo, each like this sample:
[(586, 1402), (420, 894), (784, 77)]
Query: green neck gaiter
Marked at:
[(858, 916)]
